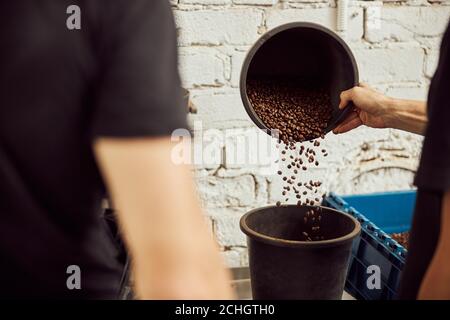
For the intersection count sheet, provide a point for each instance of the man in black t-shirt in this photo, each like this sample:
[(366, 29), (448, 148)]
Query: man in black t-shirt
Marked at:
[(427, 271), (89, 96)]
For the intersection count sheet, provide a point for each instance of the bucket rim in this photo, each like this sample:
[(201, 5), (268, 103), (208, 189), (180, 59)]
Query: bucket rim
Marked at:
[(262, 40), (254, 235)]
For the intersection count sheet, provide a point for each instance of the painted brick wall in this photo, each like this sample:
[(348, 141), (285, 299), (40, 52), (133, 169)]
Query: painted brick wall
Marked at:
[(397, 54)]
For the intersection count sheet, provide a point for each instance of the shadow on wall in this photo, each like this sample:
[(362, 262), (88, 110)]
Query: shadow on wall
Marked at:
[(376, 166)]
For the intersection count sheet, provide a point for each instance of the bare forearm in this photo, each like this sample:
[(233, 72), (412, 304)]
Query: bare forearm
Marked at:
[(173, 256), (407, 115), (436, 283), (375, 110), (173, 253)]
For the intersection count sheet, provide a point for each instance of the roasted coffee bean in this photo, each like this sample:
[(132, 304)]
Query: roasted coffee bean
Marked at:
[(401, 238), (278, 203), (299, 112)]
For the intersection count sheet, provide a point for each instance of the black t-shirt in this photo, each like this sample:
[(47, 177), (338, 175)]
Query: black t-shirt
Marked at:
[(59, 90), (432, 179)]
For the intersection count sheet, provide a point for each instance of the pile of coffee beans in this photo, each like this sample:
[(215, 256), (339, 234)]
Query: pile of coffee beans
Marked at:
[(299, 111), (401, 238)]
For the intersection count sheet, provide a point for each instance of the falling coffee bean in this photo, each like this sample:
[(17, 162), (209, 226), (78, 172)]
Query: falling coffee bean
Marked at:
[(299, 112)]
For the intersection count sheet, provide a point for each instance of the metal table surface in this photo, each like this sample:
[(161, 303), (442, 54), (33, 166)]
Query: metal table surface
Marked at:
[(241, 284)]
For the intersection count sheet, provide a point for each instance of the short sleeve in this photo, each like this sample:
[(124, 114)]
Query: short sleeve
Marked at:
[(434, 169), (138, 91)]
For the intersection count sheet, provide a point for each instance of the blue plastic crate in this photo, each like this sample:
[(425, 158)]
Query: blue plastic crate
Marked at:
[(380, 214)]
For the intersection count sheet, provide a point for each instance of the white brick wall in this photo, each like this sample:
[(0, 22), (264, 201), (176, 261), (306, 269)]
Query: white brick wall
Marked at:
[(396, 45)]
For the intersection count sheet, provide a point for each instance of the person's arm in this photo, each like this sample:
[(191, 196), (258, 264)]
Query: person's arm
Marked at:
[(173, 255), (436, 283), (376, 110), (407, 115)]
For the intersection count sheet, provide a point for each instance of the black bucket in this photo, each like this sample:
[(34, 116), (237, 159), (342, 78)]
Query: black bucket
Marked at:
[(285, 266), (301, 50)]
